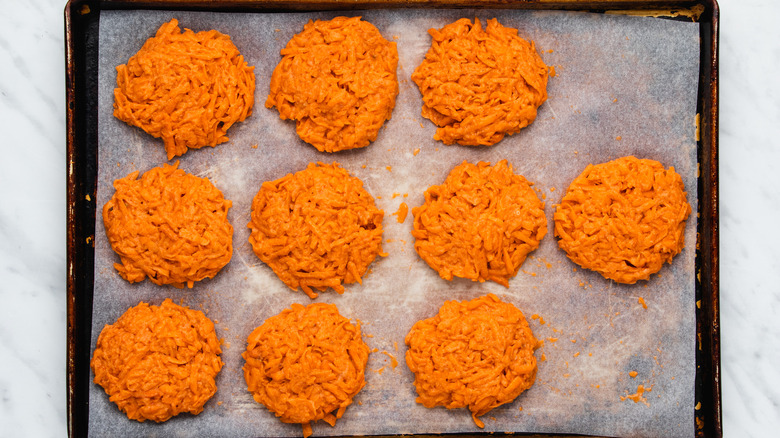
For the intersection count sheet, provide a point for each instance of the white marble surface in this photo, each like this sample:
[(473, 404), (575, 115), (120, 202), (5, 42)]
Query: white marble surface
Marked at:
[(32, 218)]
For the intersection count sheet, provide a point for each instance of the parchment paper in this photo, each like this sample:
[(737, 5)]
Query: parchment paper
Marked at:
[(623, 85)]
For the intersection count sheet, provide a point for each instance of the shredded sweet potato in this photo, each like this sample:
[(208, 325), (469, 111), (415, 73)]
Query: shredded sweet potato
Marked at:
[(186, 88), (157, 362), (479, 85), (477, 353), (338, 79), (168, 225), (305, 363), (317, 228), (480, 224), (623, 219)]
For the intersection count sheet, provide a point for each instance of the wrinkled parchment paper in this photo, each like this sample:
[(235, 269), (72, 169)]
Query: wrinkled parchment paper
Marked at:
[(623, 85)]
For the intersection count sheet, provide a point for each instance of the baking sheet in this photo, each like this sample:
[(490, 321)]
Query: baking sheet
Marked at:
[(623, 85)]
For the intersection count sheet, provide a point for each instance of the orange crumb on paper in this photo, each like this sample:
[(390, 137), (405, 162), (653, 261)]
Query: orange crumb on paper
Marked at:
[(552, 189), (638, 396), (576, 354), (544, 357), (381, 370), (403, 210), (642, 302), (573, 341), (368, 335), (395, 195), (618, 138), (519, 408), (614, 100), (567, 375), (633, 374), (416, 151), (254, 146), (389, 168), (363, 166), (395, 345), (393, 361), (552, 339), (552, 71)]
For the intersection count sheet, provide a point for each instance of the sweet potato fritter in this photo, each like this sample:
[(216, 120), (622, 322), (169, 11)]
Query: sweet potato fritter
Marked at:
[(480, 224), (305, 363), (338, 79), (477, 353), (623, 219), (317, 228), (168, 225), (479, 85), (186, 88), (157, 362)]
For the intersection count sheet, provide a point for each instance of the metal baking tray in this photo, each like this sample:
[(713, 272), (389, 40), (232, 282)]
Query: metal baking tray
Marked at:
[(82, 21)]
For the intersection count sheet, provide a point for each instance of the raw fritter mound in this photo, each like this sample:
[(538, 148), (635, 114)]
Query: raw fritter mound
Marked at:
[(305, 363), (477, 353), (623, 219), (186, 88), (317, 228), (168, 225), (480, 224), (479, 85), (157, 362), (338, 79)]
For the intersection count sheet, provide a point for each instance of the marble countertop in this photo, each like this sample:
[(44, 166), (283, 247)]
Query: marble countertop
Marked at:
[(32, 218)]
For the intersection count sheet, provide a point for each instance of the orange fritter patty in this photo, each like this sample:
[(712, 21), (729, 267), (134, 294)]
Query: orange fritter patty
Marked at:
[(338, 79), (168, 225), (157, 362), (480, 85), (186, 88), (480, 224), (317, 228), (477, 354), (306, 364), (623, 219)]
